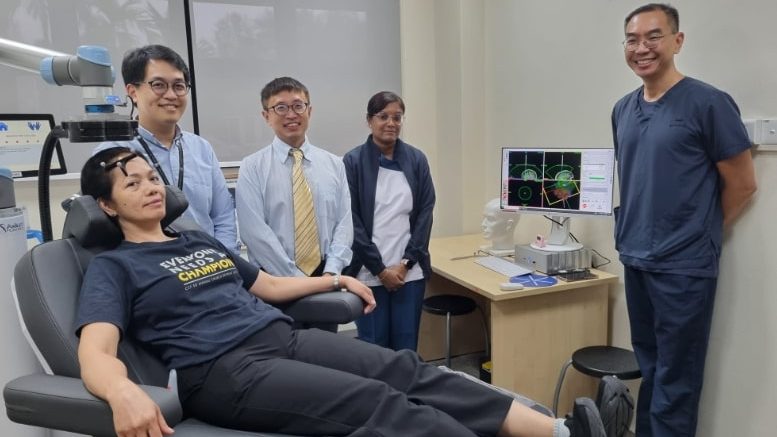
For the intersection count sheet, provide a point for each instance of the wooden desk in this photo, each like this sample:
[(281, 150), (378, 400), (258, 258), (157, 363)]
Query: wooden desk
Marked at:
[(533, 331)]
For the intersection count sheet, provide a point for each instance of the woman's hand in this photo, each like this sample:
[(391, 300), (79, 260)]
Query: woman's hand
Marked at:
[(392, 277), (135, 413), (105, 376), (354, 286)]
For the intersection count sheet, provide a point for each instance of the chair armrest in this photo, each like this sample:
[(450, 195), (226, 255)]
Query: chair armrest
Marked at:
[(331, 307), (63, 403)]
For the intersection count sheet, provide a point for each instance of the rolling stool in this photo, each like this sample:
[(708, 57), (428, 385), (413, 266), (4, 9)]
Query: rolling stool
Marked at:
[(453, 305), (599, 361)]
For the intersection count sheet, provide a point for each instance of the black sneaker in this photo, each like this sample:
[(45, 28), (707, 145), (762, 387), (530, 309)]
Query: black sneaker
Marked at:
[(616, 406), (585, 420)]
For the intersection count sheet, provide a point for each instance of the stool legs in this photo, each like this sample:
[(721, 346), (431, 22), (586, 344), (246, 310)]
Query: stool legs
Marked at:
[(485, 332), (454, 305), (448, 340), (558, 386)]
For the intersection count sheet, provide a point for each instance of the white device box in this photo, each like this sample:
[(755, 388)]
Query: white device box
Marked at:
[(551, 262)]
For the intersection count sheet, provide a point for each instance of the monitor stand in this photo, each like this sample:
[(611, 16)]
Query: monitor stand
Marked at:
[(559, 239)]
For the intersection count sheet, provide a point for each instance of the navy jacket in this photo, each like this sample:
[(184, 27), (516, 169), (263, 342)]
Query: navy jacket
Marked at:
[(361, 168)]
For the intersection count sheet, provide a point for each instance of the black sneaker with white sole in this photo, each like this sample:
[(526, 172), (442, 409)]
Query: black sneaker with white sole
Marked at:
[(585, 420)]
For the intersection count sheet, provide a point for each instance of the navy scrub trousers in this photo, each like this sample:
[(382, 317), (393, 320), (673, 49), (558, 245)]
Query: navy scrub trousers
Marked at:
[(314, 382), (670, 317)]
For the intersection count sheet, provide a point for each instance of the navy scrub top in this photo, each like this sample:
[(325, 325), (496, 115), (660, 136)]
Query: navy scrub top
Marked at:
[(670, 217)]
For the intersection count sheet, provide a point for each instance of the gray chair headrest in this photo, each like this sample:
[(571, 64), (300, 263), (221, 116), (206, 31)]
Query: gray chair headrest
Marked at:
[(91, 226)]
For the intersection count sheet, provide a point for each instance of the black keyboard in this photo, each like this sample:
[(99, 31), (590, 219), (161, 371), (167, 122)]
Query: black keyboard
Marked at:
[(575, 275)]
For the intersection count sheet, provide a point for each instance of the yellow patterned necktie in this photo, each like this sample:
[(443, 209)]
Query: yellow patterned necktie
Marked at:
[(307, 254)]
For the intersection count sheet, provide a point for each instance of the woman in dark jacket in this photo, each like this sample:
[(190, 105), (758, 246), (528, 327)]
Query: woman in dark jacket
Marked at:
[(392, 198)]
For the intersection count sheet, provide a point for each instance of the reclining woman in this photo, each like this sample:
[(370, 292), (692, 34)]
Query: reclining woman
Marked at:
[(209, 314)]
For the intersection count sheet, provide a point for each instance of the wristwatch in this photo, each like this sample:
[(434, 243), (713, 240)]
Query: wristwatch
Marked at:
[(408, 263), (336, 282)]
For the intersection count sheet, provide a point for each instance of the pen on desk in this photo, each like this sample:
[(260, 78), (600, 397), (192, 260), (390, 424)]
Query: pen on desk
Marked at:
[(474, 255)]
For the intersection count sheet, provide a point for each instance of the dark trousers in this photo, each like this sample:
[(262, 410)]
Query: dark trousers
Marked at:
[(395, 321), (315, 382), (670, 317)]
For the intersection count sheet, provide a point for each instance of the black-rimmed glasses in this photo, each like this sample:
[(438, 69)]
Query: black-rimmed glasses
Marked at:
[(160, 87), (283, 108)]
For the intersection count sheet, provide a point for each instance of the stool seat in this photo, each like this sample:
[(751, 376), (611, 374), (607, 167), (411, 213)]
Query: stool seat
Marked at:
[(599, 361), (452, 304)]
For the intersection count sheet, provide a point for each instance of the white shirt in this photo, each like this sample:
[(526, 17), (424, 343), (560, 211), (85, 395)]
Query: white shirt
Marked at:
[(391, 224)]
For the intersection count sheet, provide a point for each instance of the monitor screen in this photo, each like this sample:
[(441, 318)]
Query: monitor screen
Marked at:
[(558, 180), (21, 142)]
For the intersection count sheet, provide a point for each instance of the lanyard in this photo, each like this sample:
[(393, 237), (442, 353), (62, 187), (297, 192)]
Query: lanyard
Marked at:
[(159, 167)]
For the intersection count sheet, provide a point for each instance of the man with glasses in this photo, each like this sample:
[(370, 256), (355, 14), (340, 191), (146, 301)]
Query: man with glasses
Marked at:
[(686, 174), (158, 82), (293, 201)]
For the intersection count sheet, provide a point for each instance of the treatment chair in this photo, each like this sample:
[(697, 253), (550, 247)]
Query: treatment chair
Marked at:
[(47, 281)]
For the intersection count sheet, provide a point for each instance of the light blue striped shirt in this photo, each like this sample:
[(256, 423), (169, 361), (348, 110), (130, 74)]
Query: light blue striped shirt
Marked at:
[(265, 211), (210, 204)]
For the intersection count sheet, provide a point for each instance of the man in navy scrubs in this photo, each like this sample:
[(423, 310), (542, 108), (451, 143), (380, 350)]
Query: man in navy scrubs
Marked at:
[(685, 172)]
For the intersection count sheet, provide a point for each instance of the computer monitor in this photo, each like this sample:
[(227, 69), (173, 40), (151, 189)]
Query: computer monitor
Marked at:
[(559, 182), (21, 141)]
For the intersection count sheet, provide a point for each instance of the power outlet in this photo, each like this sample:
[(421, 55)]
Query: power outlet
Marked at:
[(762, 133), (768, 132)]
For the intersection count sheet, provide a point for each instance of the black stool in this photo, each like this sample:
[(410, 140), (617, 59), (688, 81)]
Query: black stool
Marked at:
[(453, 305), (599, 361)]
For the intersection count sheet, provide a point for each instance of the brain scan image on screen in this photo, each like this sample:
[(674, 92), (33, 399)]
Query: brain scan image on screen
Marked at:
[(558, 180), (540, 179)]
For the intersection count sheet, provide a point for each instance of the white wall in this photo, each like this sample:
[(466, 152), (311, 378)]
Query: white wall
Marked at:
[(491, 73)]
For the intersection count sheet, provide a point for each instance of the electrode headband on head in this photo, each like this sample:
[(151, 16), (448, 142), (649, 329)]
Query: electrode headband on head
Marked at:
[(121, 163)]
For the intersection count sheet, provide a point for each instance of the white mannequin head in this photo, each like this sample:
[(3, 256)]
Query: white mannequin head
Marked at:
[(498, 226)]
